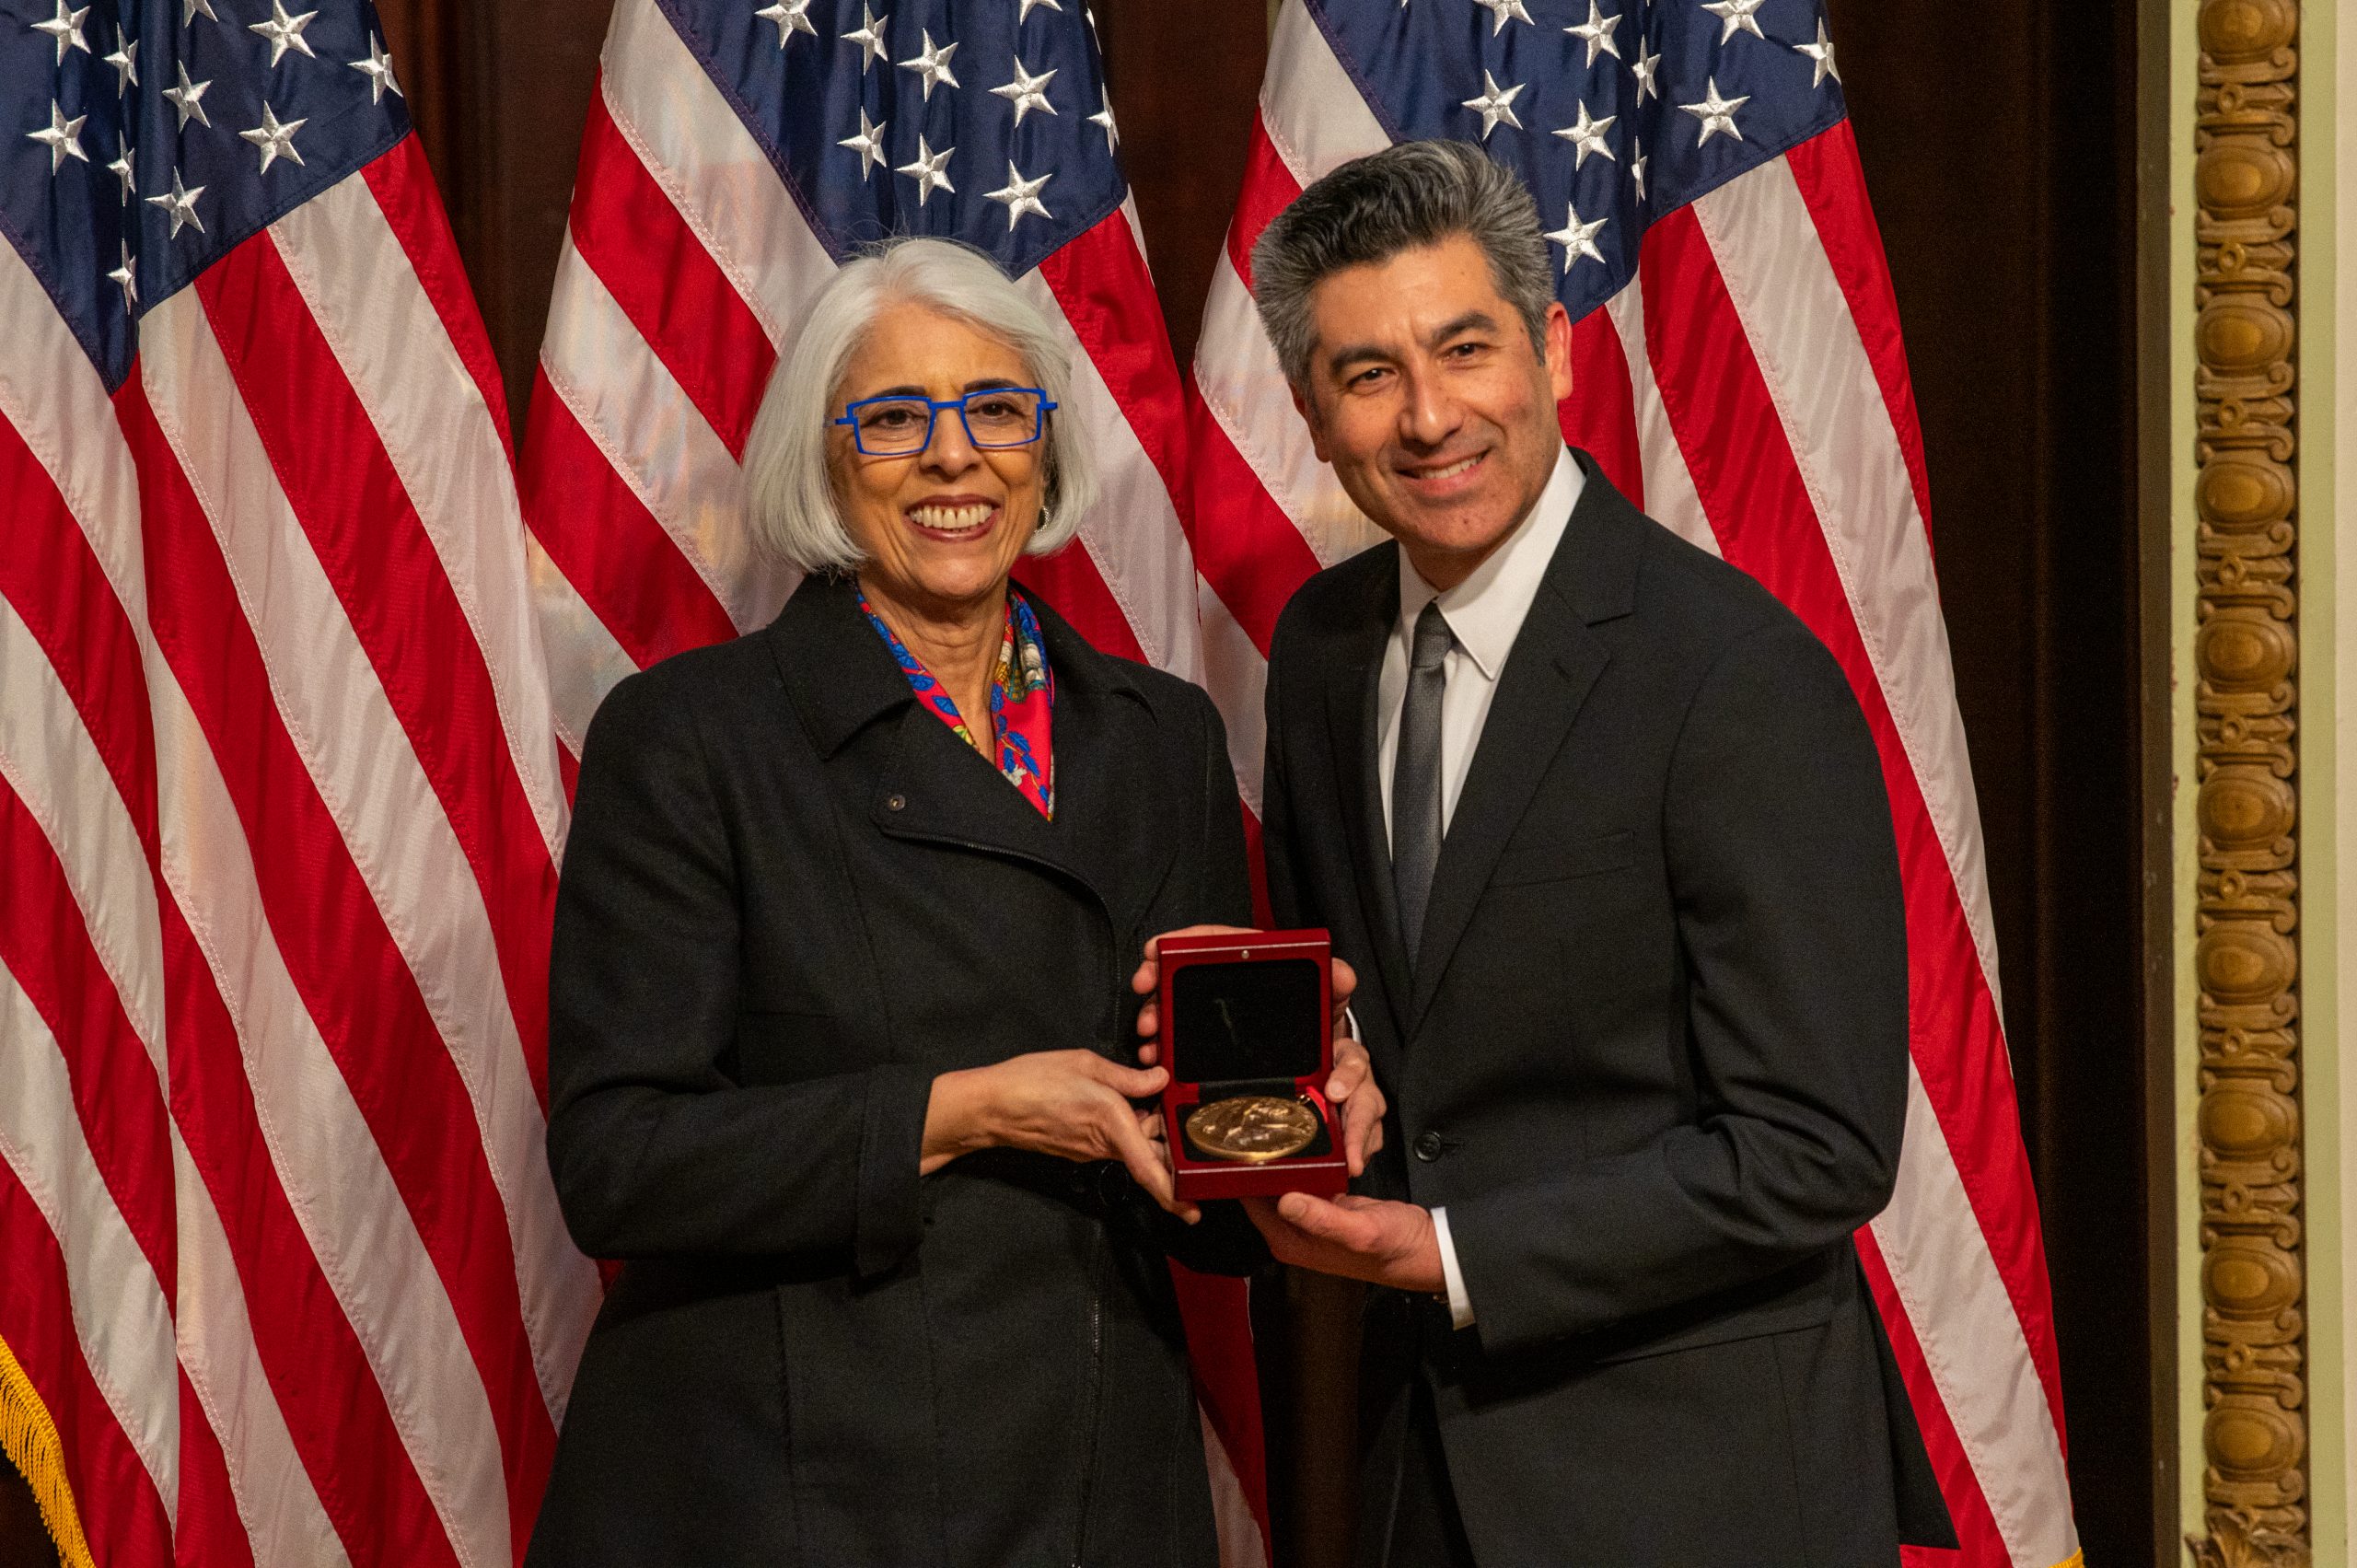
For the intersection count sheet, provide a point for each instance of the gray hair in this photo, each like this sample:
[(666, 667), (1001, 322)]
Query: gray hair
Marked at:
[(790, 501), (1371, 209)]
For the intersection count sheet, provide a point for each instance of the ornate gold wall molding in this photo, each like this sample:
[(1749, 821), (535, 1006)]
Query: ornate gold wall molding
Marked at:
[(2246, 604)]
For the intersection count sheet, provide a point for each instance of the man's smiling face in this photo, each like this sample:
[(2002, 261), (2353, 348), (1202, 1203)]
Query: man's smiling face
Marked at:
[(1428, 398)]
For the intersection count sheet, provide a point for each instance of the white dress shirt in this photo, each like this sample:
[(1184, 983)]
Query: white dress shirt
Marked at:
[(1485, 613)]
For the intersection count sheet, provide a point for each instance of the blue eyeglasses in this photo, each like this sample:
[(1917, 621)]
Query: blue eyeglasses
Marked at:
[(899, 425)]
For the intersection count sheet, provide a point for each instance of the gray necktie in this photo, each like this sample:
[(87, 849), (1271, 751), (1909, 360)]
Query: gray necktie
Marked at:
[(1415, 776)]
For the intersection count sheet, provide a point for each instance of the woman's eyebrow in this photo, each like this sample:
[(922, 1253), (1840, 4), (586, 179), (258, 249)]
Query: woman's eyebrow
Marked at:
[(985, 383)]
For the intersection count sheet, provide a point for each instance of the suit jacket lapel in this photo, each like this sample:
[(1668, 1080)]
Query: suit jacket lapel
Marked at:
[(1352, 725), (1554, 663), (1556, 660), (1108, 758), (933, 786)]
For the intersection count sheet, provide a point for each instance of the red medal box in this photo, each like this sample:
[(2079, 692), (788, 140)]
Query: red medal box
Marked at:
[(1249, 1013)]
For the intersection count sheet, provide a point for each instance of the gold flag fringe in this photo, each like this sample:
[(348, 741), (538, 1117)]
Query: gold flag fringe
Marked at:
[(29, 1439)]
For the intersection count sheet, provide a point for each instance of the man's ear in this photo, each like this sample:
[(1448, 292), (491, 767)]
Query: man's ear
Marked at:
[(1309, 412), (1559, 351)]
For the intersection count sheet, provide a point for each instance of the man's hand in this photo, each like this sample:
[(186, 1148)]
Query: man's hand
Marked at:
[(1359, 1238)]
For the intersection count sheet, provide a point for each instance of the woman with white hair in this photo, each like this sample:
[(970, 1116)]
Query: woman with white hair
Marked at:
[(841, 1051)]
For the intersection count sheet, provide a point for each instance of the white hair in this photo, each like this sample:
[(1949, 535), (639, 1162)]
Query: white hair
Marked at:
[(790, 500)]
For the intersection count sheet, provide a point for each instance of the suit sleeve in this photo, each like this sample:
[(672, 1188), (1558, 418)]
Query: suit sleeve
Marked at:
[(1785, 882), (654, 1151), (1223, 1241)]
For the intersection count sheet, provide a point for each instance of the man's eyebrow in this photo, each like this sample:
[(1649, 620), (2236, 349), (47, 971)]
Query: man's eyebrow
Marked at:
[(1351, 353), (1471, 321)]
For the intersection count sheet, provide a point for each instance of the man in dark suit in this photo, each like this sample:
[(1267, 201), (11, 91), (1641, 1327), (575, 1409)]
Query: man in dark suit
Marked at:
[(1603, 830)]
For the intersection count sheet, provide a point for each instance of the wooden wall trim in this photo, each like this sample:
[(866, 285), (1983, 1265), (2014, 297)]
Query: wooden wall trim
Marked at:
[(2255, 1480)]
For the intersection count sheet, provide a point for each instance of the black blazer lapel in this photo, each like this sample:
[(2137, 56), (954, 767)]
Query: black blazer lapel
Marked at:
[(1352, 725), (933, 786), (1556, 660), (1110, 756)]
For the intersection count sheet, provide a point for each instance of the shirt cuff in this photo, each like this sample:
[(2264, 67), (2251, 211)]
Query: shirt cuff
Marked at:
[(1460, 1306)]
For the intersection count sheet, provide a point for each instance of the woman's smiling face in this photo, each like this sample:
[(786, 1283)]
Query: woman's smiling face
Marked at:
[(942, 528)]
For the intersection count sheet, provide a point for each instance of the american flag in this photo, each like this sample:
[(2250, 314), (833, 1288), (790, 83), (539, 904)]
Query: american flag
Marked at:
[(1737, 370), (737, 152), (282, 1275)]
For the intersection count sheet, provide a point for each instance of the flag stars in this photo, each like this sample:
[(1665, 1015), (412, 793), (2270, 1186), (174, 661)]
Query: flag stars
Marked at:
[(378, 69), (868, 144), (1588, 135), (1822, 53), (1501, 12), (932, 64), (1020, 195), (1596, 33), (273, 138), (126, 279), (181, 204), (1577, 238), (869, 36), (284, 31), (66, 28), (930, 170), (121, 168), (191, 10), (791, 17), (187, 96), (1029, 5), (1643, 68), (125, 61), (62, 137), (1027, 92), (1716, 113), (1637, 166), (1495, 105), (1738, 16), (1103, 121)]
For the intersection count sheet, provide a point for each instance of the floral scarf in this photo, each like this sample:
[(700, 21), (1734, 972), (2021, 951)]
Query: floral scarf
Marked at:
[(1023, 697)]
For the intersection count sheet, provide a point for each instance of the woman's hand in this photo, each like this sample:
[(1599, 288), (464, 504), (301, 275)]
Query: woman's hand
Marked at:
[(1351, 1087), (1074, 1104)]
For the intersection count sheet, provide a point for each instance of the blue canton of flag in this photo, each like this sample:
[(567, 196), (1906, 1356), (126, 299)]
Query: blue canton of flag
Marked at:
[(140, 142), (1615, 113), (984, 121)]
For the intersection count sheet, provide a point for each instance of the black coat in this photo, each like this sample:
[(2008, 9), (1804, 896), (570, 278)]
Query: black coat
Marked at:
[(1653, 1062), (791, 897)]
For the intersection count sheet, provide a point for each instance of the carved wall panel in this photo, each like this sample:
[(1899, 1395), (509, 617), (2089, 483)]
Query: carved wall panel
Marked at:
[(2247, 702)]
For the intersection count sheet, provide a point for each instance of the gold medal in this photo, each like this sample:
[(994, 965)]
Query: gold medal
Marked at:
[(1251, 1128)]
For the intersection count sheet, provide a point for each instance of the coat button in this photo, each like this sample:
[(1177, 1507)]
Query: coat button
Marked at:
[(1427, 1146), (895, 802)]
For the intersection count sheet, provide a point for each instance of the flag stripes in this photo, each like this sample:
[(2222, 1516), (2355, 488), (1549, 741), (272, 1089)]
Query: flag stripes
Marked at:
[(125, 1337), (43, 1337), (666, 283), (279, 786), (112, 1087)]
